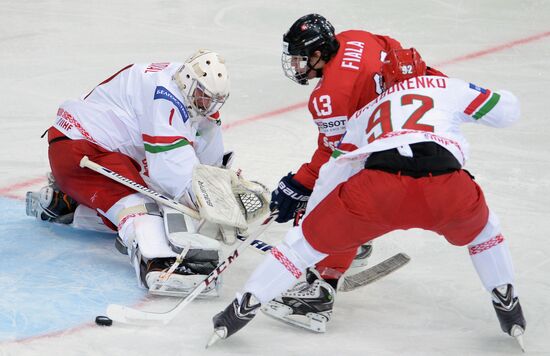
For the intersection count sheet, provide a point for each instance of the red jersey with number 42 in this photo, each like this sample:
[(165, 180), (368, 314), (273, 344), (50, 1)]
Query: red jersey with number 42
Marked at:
[(351, 79)]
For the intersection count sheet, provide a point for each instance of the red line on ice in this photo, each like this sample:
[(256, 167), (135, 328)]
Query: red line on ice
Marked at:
[(6, 192)]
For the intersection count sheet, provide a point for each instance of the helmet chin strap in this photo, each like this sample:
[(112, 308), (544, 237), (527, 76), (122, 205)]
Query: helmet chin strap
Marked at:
[(311, 68)]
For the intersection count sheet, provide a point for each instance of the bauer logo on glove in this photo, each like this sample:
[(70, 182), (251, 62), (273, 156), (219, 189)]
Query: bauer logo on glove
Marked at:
[(289, 197)]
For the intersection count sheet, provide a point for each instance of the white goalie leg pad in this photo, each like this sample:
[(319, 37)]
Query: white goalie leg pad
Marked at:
[(182, 230), (491, 256), (283, 266), (145, 232), (145, 238)]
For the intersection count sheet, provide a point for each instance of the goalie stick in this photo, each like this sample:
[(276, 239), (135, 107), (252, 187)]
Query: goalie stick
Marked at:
[(261, 246), (162, 199), (124, 314)]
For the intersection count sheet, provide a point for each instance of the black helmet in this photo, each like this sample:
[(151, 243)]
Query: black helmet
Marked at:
[(311, 33), (308, 34)]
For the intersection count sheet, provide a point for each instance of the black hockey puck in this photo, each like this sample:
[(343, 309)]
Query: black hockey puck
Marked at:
[(103, 320)]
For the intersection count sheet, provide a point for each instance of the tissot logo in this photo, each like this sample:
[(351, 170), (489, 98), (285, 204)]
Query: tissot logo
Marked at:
[(333, 126)]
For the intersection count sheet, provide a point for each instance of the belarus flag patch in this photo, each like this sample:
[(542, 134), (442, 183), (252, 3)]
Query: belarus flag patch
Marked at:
[(484, 102)]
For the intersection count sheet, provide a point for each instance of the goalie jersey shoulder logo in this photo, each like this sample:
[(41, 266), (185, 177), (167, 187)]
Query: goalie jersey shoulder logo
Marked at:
[(163, 93)]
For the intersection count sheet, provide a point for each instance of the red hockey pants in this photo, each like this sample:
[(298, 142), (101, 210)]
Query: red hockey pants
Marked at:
[(373, 203)]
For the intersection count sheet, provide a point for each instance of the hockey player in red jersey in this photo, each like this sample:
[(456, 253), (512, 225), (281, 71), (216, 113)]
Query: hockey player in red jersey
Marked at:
[(155, 124), (399, 166), (348, 65)]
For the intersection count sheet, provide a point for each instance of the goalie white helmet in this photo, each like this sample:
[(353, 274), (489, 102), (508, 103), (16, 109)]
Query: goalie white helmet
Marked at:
[(204, 82)]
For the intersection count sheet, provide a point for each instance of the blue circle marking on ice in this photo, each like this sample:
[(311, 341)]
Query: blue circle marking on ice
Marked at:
[(53, 277)]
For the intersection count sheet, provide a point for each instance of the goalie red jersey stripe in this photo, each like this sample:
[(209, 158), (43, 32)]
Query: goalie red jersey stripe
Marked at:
[(291, 267), (161, 139)]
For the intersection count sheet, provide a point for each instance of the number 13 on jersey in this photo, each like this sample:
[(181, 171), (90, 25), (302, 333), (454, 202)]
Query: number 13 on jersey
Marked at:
[(322, 105)]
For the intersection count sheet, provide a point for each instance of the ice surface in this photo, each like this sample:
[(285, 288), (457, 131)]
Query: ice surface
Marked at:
[(53, 50)]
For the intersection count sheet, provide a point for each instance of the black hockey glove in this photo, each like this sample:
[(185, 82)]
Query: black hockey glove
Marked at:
[(289, 197)]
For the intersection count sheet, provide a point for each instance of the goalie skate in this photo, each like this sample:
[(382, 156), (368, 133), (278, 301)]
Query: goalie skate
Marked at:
[(177, 285), (180, 283), (308, 306), (50, 204)]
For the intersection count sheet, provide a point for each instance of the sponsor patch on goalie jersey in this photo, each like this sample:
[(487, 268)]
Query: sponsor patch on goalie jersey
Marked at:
[(163, 93), (332, 126), (479, 89)]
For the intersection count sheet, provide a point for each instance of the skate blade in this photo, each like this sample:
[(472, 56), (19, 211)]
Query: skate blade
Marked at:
[(311, 321), (517, 333), (215, 337), (31, 204)]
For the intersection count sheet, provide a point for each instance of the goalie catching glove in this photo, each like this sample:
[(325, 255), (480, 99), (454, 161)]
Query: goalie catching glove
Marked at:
[(289, 197), (225, 198)]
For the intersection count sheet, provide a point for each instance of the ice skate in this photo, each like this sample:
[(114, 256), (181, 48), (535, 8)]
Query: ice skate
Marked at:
[(307, 305), (509, 312), (234, 317), (51, 204)]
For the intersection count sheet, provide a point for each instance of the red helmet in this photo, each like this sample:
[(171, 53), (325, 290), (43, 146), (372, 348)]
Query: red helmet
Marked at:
[(402, 64)]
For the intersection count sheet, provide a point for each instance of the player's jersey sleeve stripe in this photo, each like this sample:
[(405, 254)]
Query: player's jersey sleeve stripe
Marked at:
[(476, 103), (163, 148), (489, 105)]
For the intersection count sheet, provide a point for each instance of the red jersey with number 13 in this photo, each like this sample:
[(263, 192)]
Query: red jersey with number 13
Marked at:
[(351, 79)]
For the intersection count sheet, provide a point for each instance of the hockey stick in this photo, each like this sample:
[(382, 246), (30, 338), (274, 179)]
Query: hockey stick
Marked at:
[(129, 315), (162, 199), (374, 273), (357, 280), (350, 282)]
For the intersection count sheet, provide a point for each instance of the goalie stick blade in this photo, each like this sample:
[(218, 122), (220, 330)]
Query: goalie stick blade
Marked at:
[(374, 273)]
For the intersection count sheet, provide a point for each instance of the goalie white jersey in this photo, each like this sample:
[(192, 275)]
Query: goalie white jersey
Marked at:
[(421, 109), (140, 112)]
